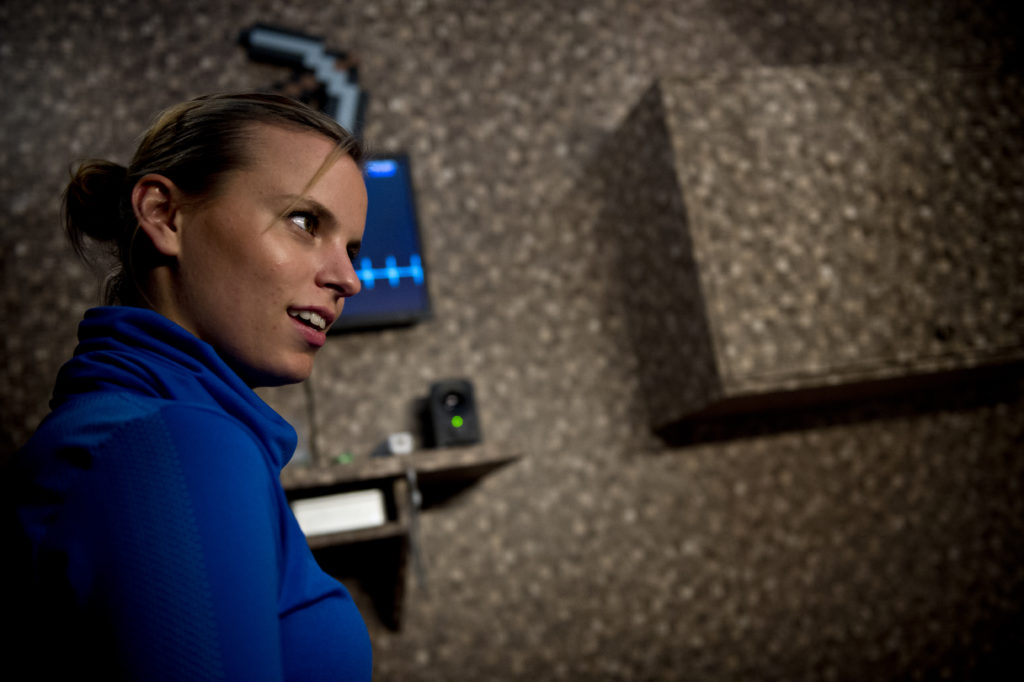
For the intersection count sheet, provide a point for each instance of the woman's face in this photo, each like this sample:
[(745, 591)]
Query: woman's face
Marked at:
[(265, 266)]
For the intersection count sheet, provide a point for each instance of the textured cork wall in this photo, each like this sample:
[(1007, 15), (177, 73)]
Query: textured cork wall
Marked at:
[(829, 227), (873, 540)]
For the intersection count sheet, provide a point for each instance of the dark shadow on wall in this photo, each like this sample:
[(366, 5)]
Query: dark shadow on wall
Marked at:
[(800, 32), (790, 33), (644, 218), (375, 574), (7, 447)]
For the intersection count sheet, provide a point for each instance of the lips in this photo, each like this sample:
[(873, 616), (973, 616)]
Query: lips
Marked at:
[(312, 324), (311, 318)]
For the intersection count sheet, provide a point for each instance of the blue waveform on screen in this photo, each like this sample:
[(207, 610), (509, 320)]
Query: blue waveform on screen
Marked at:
[(381, 168), (391, 271)]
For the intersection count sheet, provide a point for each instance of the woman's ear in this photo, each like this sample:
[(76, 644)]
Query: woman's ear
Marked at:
[(156, 201)]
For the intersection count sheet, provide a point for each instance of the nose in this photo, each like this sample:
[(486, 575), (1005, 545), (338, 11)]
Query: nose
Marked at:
[(338, 273)]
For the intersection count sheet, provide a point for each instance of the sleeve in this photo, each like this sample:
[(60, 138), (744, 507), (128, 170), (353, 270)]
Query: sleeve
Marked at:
[(189, 571)]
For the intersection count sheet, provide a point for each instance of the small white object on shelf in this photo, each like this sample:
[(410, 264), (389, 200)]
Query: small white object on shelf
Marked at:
[(340, 512), (400, 443)]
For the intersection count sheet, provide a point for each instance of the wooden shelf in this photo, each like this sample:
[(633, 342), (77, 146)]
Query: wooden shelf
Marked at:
[(438, 473), (391, 529), (441, 465)]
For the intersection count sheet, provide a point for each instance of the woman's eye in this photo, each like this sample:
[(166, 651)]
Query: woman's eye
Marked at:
[(306, 222)]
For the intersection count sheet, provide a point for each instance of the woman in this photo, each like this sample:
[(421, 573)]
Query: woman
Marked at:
[(161, 545)]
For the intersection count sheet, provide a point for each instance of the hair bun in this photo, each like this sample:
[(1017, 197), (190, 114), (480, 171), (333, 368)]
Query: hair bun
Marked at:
[(93, 202)]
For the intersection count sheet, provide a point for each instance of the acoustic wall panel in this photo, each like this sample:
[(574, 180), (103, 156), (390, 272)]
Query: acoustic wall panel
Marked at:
[(791, 233)]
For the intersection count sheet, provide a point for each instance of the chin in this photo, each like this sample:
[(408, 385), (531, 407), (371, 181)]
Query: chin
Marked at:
[(268, 377)]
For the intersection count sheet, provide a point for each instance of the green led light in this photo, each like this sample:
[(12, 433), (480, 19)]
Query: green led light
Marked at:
[(457, 421)]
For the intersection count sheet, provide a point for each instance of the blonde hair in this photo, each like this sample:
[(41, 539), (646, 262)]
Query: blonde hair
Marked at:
[(193, 144)]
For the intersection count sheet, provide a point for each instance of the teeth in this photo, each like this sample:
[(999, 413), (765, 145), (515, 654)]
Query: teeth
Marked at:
[(313, 319)]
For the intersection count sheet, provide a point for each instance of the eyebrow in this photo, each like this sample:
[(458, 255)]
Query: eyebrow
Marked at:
[(308, 203), (319, 210)]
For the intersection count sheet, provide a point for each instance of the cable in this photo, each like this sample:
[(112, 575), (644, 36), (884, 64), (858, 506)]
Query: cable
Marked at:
[(314, 448)]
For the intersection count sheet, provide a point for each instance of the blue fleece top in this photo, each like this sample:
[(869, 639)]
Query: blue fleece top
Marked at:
[(153, 506)]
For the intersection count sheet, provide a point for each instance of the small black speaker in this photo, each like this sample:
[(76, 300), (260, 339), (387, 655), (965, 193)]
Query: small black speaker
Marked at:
[(450, 415)]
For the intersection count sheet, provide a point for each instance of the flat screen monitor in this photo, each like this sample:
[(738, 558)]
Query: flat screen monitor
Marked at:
[(390, 262)]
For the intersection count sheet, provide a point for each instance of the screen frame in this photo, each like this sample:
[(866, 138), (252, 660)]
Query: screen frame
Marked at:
[(400, 318)]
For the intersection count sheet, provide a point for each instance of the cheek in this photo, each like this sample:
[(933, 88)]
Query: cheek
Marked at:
[(268, 280), (279, 268), (244, 270)]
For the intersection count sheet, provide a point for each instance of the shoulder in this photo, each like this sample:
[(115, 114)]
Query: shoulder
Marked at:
[(207, 451), (115, 469), (128, 442), (122, 421)]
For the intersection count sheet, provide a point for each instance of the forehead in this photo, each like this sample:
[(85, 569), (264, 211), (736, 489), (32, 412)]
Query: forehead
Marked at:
[(280, 147), (296, 161)]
